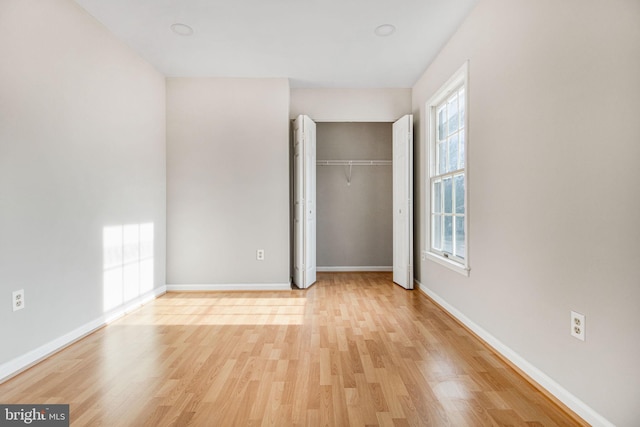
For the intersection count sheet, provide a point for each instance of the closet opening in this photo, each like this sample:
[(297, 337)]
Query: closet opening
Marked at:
[(352, 189), (354, 196)]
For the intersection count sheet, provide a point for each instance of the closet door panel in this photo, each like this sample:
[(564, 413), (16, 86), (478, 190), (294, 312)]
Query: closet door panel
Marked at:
[(298, 226), (310, 199), (304, 172), (402, 202)]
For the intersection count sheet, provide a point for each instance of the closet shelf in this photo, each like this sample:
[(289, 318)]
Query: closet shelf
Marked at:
[(353, 162)]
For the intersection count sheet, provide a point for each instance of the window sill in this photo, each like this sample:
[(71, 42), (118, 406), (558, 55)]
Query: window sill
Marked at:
[(450, 264)]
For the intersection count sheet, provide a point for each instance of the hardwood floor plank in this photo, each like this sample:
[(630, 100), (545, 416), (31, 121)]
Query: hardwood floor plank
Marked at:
[(353, 350)]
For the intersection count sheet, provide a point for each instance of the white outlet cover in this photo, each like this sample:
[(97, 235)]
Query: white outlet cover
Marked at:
[(578, 325), (18, 300)]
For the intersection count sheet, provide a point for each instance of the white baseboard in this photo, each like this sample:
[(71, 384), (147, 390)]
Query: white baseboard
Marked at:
[(576, 405), (21, 363), (347, 269), (231, 287)]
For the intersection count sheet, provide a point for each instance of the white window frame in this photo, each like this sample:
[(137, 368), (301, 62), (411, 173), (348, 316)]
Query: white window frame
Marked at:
[(459, 79)]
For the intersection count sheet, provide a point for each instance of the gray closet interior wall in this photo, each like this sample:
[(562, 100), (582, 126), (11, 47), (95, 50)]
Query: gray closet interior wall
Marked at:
[(354, 222)]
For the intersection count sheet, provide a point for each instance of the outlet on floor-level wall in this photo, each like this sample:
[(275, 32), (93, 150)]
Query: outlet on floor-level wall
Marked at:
[(18, 300), (578, 325), (260, 254)]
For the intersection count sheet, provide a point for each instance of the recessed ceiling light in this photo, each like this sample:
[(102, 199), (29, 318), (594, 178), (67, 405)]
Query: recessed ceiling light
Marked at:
[(182, 29), (384, 30)]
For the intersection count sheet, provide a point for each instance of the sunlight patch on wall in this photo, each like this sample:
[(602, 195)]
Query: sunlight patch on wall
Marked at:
[(127, 263)]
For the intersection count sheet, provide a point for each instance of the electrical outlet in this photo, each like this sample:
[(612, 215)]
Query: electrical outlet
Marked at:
[(260, 254), (578, 325), (424, 256), (18, 300)]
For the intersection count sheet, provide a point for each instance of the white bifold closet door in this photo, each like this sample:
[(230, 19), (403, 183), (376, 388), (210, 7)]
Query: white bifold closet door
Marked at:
[(304, 170), (402, 202)]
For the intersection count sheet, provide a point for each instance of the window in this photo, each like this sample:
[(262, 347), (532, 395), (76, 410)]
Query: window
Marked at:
[(448, 138)]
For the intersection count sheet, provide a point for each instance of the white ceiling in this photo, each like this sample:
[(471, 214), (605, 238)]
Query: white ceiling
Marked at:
[(315, 43)]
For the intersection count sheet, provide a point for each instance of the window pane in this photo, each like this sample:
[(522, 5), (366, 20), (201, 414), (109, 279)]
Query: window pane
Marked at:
[(447, 244), (446, 170), (459, 187), (442, 157), (460, 248), (442, 121), (462, 105), (437, 232), (452, 162), (437, 197), (448, 195), (452, 109), (461, 150)]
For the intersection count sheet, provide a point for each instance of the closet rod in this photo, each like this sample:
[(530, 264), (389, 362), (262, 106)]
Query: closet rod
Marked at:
[(353, 162)]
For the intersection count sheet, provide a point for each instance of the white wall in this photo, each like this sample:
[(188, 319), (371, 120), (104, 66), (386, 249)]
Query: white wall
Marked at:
[(82, 147), (227, 181), (351, 105), (554, 135)]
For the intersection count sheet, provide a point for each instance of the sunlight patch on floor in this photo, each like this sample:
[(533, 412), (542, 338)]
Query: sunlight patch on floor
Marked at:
[(220, 310)]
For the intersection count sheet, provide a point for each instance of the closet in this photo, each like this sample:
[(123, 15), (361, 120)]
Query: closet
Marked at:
[(352, 198)]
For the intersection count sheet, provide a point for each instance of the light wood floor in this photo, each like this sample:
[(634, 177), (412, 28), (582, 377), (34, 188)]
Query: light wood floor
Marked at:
[(353, 350)]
